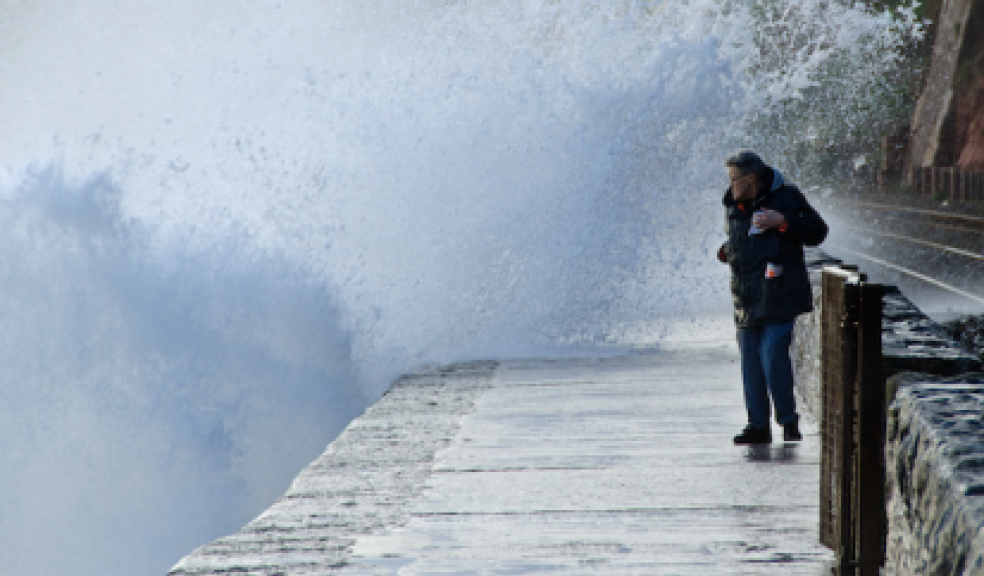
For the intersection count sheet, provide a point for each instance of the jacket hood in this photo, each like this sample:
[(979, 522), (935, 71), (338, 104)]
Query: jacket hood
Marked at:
[(777, 180)]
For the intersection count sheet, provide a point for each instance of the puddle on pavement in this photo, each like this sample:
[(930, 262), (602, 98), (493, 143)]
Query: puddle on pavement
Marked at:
[(783, 453)]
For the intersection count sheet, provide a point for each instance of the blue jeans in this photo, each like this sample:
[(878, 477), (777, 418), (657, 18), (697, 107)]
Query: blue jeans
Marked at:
[(767, 369)]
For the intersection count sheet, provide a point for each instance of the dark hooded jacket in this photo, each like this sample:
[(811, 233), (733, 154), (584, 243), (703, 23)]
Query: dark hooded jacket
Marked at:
[(760, 300)]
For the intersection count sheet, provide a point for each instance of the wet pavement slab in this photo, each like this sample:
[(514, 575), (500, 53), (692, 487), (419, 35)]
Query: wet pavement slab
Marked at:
[(617, 465)]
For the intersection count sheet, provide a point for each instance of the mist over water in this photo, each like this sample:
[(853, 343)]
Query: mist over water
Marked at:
[(224, 230)]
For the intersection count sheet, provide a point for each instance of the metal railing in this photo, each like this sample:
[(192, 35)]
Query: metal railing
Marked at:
[(956, 184), (852, 463)]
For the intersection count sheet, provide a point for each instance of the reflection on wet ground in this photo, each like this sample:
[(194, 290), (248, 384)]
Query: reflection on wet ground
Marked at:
[(783, 453)]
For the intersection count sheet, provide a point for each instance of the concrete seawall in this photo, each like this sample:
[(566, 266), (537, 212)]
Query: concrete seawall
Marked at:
[(360, 485), (626, 466), (935, 437), (616, 465)]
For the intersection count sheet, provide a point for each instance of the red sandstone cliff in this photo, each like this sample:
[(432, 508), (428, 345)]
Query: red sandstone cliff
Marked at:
[(970, 125), (948, 124)]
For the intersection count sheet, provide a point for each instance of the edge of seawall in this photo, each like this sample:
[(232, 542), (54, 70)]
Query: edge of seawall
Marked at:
[(362, 483)]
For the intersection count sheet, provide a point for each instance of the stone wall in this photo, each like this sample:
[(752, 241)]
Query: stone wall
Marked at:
[(805, 350), (935, 437), (935, 452)]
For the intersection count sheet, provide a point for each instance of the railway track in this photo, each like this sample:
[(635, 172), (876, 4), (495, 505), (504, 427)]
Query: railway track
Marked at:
[(936, 252), (918, 275), (910, 239), (921, 211)]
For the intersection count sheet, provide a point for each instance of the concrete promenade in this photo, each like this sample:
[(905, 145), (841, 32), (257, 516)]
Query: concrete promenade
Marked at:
[(620, 465)]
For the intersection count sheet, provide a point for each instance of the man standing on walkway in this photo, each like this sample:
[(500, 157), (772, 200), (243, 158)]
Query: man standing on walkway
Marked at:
[(768, 223)]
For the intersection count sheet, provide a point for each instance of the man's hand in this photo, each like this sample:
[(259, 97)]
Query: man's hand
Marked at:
[(722, 254), (765, 219)]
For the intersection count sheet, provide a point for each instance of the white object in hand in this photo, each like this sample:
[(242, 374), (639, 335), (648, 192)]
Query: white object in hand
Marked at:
[(755, 229)]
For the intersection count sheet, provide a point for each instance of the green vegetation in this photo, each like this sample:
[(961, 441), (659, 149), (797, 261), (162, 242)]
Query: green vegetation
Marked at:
[(924, 8)]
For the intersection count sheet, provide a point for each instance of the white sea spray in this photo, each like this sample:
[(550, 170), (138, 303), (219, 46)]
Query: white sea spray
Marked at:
[(225, 230)]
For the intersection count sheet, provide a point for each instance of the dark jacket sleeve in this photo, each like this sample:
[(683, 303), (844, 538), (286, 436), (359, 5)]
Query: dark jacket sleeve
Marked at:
[(805, 224)]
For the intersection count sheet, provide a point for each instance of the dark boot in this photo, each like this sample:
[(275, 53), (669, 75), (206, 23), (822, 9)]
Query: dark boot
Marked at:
[(791, 432), (752, 435)]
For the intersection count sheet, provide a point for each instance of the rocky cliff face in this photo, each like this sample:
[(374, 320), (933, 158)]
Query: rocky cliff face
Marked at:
[(969, 90), (948, 123), (970, 121)]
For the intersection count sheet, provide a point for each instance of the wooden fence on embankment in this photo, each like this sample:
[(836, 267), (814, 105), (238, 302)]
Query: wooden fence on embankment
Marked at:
[(954, 184)]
